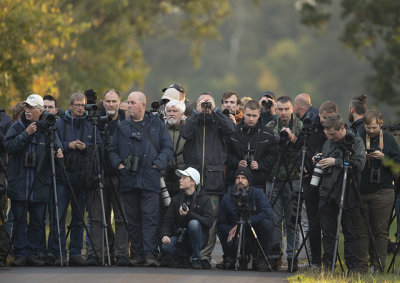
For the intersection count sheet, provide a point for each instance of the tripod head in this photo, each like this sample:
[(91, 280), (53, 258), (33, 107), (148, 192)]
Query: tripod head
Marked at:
[(242, 198)]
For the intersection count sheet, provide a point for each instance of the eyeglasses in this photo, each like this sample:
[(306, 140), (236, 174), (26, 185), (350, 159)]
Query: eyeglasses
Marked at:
[(79, 105), (48, 107)]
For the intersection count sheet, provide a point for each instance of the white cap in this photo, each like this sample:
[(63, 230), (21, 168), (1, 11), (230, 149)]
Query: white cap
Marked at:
[(171, 94), (34, 100), (190, 172)]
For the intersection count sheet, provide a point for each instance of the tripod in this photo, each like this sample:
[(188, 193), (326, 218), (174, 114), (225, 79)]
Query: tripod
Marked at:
[(241, 248), (299, 196), (282, 149), (53, 175), (95, 122)]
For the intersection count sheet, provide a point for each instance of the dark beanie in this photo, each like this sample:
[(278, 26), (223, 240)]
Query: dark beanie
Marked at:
[(245, 171)]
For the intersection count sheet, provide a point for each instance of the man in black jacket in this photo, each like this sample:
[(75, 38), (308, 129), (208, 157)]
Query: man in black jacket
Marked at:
[(118, 242), (253, 145), (205, 151), (184, 229)]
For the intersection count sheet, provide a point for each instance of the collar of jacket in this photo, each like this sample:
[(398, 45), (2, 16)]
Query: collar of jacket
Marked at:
[(249, 130)]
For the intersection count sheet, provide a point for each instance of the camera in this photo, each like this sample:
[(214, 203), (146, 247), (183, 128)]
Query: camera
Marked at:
[(91, 107), (307, 124), (267, 103), (283, 136), (155, 105), (180, 235), (349, 138), (132, 163), (226, 112), (318, 157), (241, 196), (206, 105), (184, 207), (50, 119), (369, 151), (137, 136)]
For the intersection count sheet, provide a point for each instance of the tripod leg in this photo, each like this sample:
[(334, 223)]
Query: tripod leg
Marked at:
[(305, 246), (237, 263), (105, 227)]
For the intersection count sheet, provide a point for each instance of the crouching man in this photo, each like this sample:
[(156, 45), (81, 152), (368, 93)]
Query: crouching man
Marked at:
[(252, 205), (184, 230)]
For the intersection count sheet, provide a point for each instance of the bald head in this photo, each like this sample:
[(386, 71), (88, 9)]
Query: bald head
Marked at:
[(137, 105), (302, 103)]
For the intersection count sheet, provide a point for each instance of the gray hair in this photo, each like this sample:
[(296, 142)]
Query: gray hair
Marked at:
[(180, 105), (76, 96)]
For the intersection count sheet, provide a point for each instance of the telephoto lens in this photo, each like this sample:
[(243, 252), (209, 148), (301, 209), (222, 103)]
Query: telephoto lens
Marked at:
[(316, 176), (165, 197)]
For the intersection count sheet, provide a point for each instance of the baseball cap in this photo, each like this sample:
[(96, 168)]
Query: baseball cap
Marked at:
[(171, 94), (190, 172), (178, 87), (34, 100), (268, 94)]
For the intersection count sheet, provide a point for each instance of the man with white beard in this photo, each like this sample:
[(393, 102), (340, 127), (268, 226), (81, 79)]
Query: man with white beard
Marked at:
[(112, 199), (174, 114)]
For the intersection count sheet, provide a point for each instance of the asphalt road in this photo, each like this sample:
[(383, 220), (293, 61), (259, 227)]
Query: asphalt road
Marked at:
[(133, 274)]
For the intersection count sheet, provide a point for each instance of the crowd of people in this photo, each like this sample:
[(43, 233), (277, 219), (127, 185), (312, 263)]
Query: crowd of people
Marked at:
[(160, 186)]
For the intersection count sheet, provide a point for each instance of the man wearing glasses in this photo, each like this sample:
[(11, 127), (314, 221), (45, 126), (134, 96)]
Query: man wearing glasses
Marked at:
[(76, 135), (50, 104)]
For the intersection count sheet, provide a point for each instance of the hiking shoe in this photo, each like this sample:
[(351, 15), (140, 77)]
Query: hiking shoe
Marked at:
[(205, 264), (123, 261), (137, 261), (19, 261), (196, 264), (76, 261), (35, 260), (151, 261)]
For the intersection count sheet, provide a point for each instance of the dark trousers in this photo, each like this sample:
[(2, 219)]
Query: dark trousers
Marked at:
[(112, 201), (264, 231), (27, 238), (328, 221), (311, 198), (142, 213)]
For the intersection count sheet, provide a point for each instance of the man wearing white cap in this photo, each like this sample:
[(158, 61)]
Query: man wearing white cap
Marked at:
[(29, 180), (192, 213)]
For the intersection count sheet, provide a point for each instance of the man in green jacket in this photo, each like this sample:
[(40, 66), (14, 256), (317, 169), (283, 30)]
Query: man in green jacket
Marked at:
[(376, 190), (331, 187)]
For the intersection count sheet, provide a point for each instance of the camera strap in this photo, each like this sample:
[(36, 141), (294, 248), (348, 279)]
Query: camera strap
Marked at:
[(146, 135)]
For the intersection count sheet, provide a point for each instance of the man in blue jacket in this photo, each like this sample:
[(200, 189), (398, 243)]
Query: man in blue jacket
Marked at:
[(258, 211), (29, 180), (76, 135), (140, 149)]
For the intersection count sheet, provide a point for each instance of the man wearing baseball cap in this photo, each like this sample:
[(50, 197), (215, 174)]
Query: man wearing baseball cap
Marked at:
[(192, 213), (29, 185), (268, 107)]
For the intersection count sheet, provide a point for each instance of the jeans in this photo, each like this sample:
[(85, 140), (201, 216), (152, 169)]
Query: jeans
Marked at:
[(27, 241), (193, 242), (142, 213), (212, 233), (282, 205), (111, 200), (63, 202)]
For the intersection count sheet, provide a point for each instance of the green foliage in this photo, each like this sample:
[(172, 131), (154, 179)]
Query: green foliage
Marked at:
[(371, 29)]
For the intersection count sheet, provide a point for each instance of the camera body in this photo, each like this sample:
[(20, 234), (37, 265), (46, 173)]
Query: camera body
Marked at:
[(241, 197), (226, 112), (283, 136), (180, 235)]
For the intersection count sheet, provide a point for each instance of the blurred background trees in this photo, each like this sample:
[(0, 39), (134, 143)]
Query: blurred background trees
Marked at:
[(332, 50)]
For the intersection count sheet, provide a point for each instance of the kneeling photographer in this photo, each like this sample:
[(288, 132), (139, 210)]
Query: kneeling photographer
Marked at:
[(184, 229), (245, 202)]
